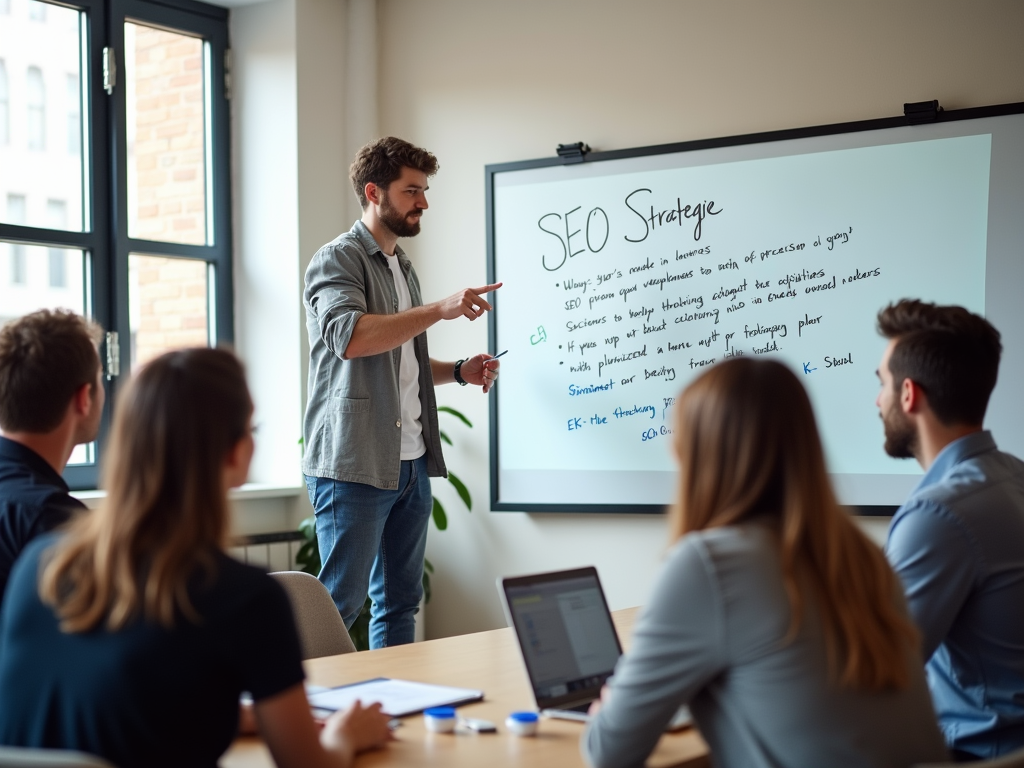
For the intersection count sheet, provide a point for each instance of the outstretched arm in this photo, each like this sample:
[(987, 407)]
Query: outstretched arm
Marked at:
[(375, 334)]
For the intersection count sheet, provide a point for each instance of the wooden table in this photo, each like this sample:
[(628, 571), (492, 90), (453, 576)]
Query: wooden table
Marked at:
[(485, 660)]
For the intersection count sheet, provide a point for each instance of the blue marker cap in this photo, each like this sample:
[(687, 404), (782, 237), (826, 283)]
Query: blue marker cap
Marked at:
[(442, 713), (524, 717)]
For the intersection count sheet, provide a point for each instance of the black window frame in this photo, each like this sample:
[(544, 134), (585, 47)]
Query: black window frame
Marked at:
[(105, 240)]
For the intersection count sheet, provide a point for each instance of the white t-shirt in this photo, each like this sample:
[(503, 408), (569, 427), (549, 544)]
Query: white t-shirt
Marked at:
[(408, 376)]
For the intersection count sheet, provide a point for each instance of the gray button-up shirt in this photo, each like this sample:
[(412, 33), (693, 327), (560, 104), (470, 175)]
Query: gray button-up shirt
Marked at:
[(353, 424)]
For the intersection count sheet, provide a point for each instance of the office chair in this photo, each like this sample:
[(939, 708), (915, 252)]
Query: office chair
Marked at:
[(1012, 760), (17, 757), (321, 629)]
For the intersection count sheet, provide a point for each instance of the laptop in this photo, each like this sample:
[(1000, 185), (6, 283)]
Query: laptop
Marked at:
[(566, 637)]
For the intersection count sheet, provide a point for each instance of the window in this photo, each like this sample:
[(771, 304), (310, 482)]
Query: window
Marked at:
[(74, 97), (36, 100), (5, 106), (19, 265), (122, 211), (57, 214)]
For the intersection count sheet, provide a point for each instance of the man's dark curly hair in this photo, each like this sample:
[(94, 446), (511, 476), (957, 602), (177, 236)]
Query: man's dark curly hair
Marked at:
[(952, 354), (382, 161)]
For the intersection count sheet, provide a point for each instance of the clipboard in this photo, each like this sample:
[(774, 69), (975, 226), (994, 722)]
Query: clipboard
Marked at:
[(398, 698)]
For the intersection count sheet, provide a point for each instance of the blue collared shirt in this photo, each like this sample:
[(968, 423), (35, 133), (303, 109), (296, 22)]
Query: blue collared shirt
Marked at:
[(958, 546)]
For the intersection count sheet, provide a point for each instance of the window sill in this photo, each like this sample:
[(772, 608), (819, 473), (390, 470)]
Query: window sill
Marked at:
[(92, 498)]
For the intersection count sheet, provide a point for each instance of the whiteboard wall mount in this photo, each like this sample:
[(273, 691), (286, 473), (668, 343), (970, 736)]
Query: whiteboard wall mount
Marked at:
[(626, 272), (573, 153), (918, 112)]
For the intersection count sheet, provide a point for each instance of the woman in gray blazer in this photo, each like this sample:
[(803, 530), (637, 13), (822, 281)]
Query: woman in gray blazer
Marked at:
[(774, 617)]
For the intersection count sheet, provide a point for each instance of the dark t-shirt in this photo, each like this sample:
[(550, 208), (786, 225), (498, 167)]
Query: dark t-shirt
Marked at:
[(144, 696), (34, 499)]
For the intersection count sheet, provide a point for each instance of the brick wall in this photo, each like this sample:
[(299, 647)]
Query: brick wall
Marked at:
[(170, 300)]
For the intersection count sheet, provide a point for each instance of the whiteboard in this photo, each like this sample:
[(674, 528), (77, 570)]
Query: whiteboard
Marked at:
[(626, 275)]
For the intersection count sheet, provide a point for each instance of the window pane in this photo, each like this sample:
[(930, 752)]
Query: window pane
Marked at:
[(27, 284), (168, 305), (166, 76), (35, 98), (36, 10), (41, 53), (33, 289), (5, 108), (74, 114)]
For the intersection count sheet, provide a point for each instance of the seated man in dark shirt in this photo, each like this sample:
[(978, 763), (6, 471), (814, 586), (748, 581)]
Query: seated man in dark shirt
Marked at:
[(51, 399)]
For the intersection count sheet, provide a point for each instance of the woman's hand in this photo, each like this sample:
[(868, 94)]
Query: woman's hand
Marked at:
[(355, 730)]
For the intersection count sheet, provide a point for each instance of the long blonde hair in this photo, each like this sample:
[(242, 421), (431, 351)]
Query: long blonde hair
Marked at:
[(747, 444), (166, 511)]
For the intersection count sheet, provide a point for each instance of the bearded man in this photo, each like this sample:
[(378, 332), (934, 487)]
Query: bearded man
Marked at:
[(370, 431), (958, 542)]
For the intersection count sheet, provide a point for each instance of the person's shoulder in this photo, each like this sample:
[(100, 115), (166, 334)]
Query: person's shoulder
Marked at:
[(238, 574), (30, 559), (31, 507), (347, 245), (240, 584), (975, 485), (726, 551), (731, 541)]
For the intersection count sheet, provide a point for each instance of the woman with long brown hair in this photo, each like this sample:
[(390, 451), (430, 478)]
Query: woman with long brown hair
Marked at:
[(132, 634), (774, 617)]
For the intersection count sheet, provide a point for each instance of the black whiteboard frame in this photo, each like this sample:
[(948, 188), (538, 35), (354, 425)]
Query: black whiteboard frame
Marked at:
[(490, 171)]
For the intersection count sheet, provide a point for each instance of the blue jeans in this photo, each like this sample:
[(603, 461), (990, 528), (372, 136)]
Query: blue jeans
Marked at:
[(372, 542)]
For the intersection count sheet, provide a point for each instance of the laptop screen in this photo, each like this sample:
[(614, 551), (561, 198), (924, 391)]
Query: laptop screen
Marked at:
[(565, 633)]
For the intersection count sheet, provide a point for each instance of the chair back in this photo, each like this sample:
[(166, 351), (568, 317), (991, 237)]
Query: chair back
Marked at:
[(1012, 760), (321, 629), (18, 757)]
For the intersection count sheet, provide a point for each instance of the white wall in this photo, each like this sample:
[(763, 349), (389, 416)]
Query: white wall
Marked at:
[(483, 81), (264, 111), (290, 185)]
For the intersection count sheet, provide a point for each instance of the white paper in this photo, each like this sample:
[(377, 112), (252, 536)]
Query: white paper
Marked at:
[(397, 697)]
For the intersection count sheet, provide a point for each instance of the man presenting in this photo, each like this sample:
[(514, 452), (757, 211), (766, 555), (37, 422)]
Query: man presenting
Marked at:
[(51, 399), (370, 430), (958, 542)]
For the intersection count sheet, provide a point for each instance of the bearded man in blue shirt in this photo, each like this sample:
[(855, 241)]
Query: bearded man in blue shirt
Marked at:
[(958, 542)]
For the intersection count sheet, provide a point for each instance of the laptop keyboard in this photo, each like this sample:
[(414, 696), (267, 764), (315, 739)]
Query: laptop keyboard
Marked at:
[(579, 707)]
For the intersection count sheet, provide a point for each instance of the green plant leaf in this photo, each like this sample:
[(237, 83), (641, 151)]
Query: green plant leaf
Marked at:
[(456, 414), (440, 518), (428, 568), (360, 629), (445, 437), (427, 592), (462, 490), (308, 558)]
